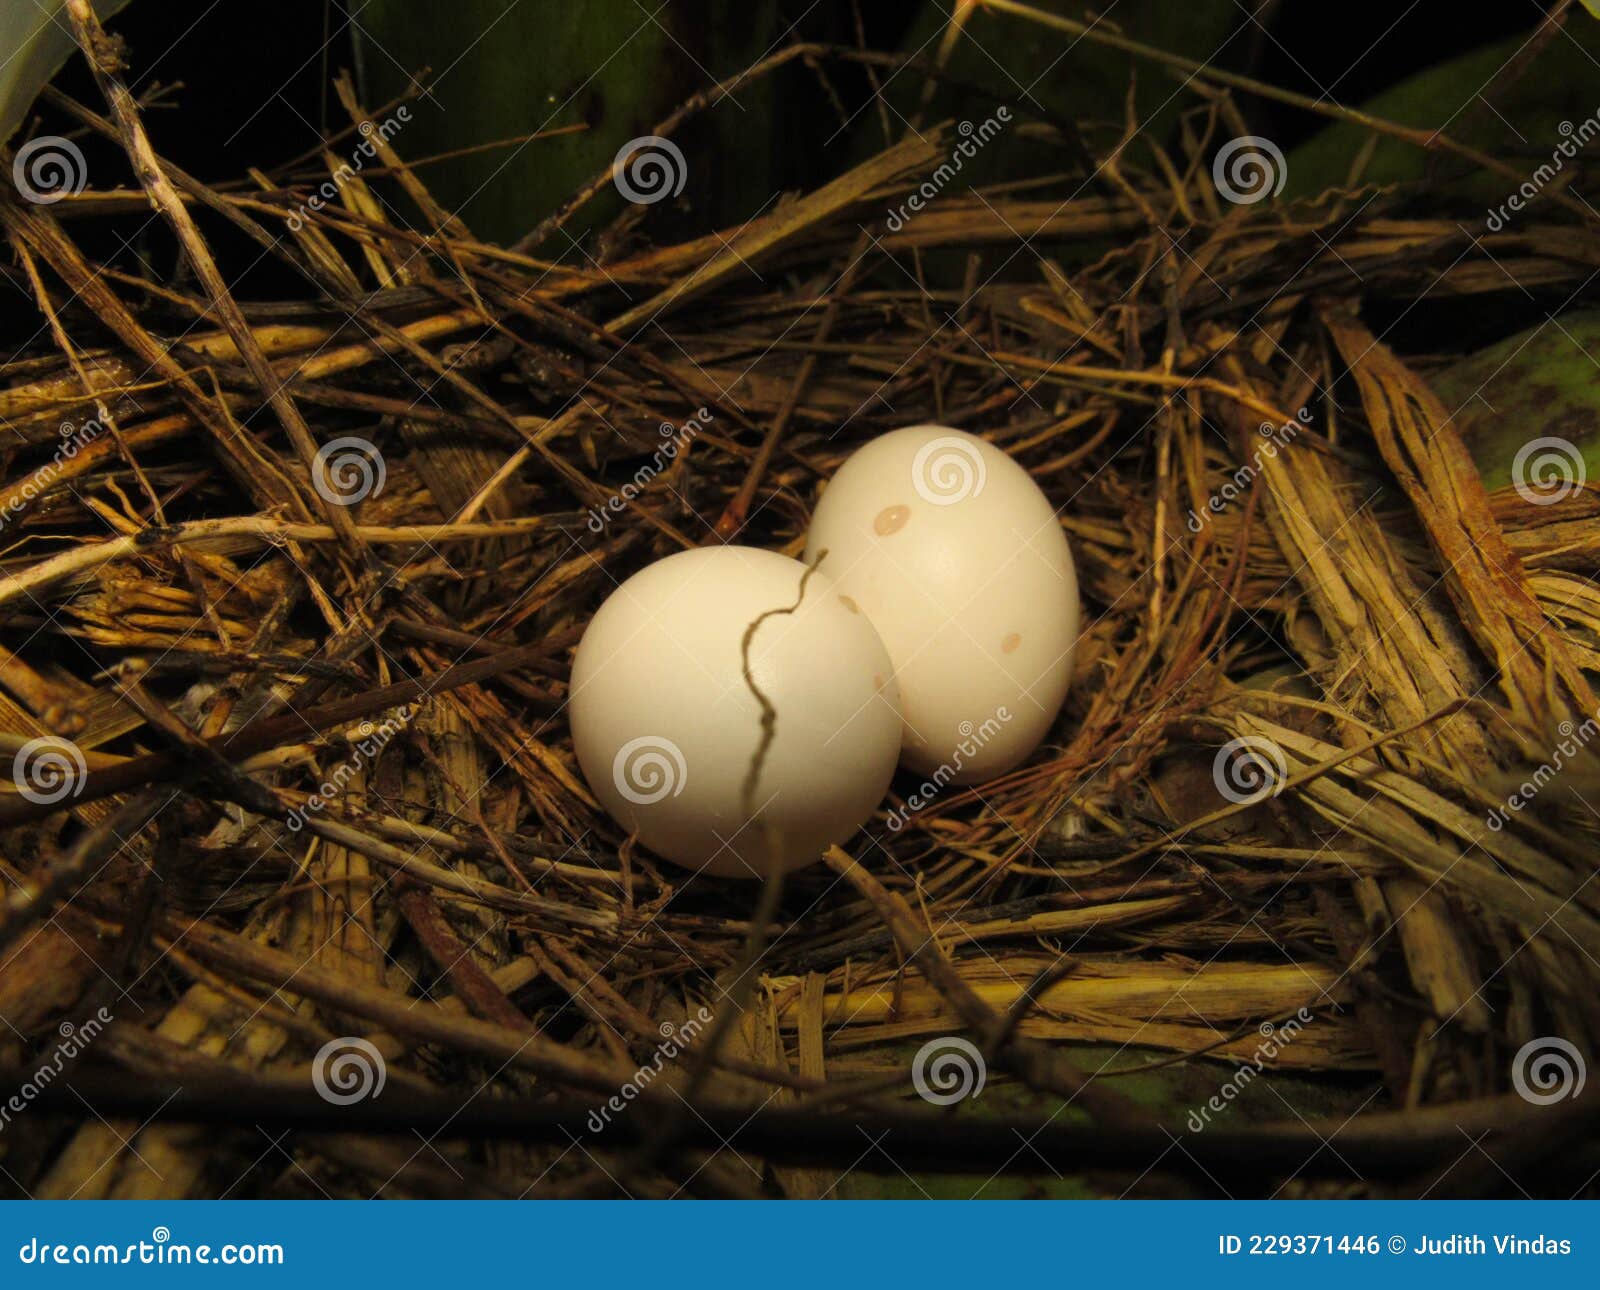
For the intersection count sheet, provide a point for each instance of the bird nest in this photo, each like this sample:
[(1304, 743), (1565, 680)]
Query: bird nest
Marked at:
[(290, 591)]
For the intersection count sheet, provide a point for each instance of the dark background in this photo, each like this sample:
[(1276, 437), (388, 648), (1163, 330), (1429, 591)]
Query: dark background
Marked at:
[(250, 86), (255, 78)]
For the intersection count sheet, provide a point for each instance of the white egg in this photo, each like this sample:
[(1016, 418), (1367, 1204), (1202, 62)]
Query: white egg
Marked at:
[(666, 725), (958, 558)]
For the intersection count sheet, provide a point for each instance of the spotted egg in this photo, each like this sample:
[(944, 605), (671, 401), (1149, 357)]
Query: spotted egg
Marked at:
[(959, 560)]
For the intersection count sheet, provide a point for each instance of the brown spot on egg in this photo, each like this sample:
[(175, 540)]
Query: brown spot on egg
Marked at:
[(877, 680), (1012, 640), (850, 604), (891, 519)]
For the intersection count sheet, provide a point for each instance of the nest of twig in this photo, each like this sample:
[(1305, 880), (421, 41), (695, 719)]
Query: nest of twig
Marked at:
[(318, 785)]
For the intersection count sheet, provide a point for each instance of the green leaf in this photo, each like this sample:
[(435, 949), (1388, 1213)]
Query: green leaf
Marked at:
[(1036, 69), (1542, 383), (502, 69), (1558, 88), (35, 40)]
